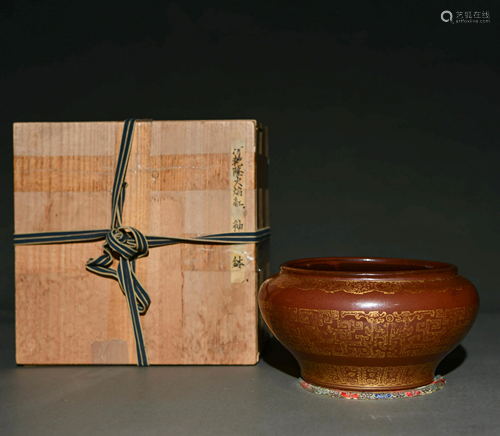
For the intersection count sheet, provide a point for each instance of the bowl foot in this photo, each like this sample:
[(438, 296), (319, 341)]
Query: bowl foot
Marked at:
[(437, 384)]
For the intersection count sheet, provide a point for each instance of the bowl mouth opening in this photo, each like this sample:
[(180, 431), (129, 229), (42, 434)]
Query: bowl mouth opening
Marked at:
[(367, 267)]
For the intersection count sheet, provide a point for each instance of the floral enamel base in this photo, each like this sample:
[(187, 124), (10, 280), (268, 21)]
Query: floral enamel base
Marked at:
[(437, 384)]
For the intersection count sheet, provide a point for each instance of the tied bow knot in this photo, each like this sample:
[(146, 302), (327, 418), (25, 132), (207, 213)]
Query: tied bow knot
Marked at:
[(128, 242)]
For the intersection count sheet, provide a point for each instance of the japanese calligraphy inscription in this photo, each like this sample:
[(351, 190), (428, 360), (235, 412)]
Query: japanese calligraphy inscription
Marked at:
[(237, 181)]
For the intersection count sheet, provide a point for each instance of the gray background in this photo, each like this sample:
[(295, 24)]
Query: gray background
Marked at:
[(264, 399), (383, 142), (382, 118)]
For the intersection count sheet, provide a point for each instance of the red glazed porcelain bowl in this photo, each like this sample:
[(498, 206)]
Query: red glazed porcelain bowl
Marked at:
[(371, 324)]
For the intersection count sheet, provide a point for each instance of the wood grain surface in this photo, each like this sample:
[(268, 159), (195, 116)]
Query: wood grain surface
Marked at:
[(179, 184)]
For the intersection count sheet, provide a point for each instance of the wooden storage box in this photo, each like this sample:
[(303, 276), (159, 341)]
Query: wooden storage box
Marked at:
[(180, 183)]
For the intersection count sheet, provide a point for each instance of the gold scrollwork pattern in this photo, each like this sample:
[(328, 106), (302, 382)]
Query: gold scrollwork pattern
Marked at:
[(367, 376), (440, 284), (370, 334)]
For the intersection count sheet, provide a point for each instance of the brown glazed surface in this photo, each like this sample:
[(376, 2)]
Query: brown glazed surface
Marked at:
[(368, 324)]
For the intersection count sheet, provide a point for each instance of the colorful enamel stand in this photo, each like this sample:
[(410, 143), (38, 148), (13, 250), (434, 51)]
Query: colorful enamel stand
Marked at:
[(437, 384)]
